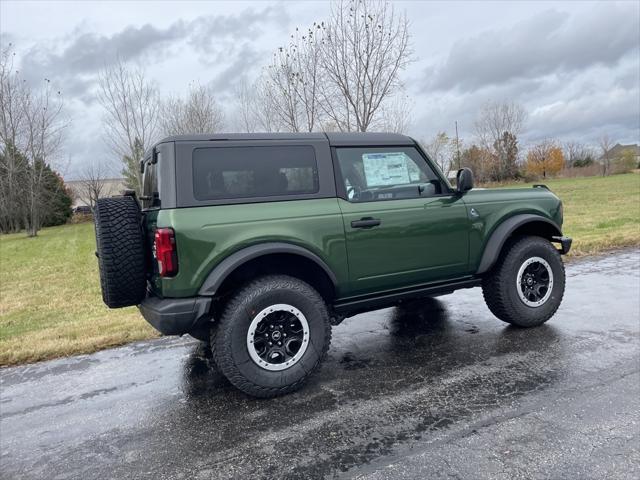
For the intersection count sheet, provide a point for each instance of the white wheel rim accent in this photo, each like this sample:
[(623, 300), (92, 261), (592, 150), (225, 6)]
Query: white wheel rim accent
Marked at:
[(253, 353), (521, 293)]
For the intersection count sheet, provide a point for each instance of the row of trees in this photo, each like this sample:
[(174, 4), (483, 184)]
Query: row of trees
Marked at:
[(31, 133), (496, 155)]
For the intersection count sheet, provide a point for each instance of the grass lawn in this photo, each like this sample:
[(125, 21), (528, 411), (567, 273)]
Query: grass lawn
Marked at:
[(600, 213), (50, 304)]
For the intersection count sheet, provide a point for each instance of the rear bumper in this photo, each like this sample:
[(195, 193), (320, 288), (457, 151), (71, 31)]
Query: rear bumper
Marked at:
[(175, 316), (565, 243)]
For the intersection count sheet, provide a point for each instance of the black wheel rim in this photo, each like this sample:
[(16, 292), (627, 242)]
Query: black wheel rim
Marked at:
[(278, 337), (534, 282)]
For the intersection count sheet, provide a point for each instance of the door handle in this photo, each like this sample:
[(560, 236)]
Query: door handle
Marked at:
[(366, 222)]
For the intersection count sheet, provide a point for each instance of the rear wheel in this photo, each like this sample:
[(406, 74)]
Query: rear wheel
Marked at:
[(272, 335), (526, 286), (120, 251)]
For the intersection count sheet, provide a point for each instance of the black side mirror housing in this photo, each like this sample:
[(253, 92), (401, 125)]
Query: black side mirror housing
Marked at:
[(464, 180)]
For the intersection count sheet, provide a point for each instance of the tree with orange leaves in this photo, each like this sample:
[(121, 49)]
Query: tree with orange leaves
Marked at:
[(545, 159)]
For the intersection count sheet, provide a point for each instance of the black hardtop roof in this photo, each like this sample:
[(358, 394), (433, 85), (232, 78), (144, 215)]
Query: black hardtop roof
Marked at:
[(335, 138)]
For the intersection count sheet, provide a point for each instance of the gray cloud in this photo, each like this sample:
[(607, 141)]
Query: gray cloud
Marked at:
[(206, 32), (245, 60), (74, 62), (88, 52), (549, 42)]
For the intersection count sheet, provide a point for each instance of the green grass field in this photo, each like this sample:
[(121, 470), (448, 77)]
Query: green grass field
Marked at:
[(50, 303), (600, 213)]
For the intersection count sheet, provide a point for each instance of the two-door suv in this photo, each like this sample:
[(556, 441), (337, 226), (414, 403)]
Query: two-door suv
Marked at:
[(258, 243)]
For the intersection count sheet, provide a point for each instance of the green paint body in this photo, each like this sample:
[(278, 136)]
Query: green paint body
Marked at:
[(419, 240)]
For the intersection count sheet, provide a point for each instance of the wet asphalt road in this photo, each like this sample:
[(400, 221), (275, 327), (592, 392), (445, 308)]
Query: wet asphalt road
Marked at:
[(437, 389)]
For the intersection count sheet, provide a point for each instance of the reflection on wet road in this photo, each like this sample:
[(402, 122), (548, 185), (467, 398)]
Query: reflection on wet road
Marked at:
[(433, 389)]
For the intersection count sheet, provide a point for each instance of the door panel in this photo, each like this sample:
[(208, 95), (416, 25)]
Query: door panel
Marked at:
[(418, 240)]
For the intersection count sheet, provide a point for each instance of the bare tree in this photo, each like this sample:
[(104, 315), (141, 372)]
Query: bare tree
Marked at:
[(131, 107), (44, 127), (197, 113), (364, 47), (496, 118), (395, 114), (92, 184), (605, 147), (291, 82), (497, 128), (439, 149), (13, 93), (577, 154), (254, 109), (245, 117)]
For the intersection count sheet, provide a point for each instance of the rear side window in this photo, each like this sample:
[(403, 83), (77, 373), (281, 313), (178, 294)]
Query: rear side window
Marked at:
[(150, 184), (246, 172)]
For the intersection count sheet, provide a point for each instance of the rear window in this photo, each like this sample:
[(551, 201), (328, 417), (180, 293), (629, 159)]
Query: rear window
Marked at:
[(246, 172)]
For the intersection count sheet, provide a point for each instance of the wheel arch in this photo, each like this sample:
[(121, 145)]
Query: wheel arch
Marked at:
[(522, 224), (273, 257)]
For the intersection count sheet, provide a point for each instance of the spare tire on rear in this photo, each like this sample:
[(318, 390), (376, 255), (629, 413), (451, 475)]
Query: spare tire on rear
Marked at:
[(120, 250)]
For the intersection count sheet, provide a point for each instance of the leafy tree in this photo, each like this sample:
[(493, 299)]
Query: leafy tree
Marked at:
[(53, 199), (506, 150), (56, 199), (481, 162), (13, 182), (131, 170), (497, 127), (545, 159), (625, 162)]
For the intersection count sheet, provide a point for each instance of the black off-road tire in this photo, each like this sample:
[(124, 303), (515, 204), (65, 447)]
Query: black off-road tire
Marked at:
[(120, 250), (500, 288), (229, 335)]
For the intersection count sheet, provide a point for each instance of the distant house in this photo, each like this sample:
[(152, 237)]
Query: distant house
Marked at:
[(112, 186), (618, 150)]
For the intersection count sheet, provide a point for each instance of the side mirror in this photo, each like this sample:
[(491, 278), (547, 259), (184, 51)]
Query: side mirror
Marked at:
[(464, 180)]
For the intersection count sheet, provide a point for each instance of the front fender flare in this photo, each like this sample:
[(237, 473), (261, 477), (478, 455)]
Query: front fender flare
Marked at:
[(499, 236), (233, 261)]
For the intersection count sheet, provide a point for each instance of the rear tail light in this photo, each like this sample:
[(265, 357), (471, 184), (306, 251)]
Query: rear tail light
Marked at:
[(166, 255)]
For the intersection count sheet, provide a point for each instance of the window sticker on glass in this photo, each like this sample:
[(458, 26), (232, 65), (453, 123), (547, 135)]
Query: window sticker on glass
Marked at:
[(382, 169)]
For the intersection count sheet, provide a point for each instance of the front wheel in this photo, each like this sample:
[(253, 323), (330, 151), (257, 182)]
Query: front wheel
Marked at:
[(272, 335), (526, 286)]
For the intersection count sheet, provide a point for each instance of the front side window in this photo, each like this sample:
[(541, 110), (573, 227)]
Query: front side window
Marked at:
[(245, 172), (372, 174)]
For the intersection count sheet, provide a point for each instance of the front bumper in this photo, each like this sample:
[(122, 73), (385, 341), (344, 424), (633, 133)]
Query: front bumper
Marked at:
[(175, 316), (565, 243)]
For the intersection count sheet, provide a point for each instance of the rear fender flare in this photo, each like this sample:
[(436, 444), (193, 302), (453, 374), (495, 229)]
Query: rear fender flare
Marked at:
[(237, 259), (496, 241)]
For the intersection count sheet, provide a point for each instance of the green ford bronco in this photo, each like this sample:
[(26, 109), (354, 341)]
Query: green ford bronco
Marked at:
[(259, 243)]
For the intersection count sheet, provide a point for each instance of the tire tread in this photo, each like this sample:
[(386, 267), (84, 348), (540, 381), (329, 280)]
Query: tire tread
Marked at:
[(221, 335), (495, 284), (121, 255)]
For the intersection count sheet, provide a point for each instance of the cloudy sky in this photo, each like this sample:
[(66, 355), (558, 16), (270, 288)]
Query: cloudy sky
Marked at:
[(575, 66)]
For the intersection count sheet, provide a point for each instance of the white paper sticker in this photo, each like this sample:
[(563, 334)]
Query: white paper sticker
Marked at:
[(389, 168)]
